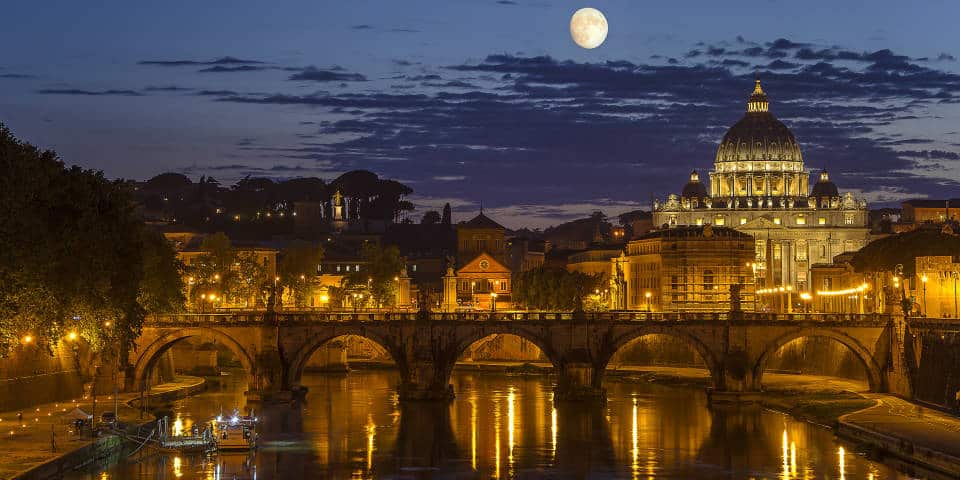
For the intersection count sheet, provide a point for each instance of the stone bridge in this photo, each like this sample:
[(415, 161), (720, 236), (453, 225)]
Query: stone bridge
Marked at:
[(275, 347)]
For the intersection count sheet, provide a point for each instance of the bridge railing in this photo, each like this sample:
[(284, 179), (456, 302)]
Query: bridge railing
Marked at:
[(259, 316)]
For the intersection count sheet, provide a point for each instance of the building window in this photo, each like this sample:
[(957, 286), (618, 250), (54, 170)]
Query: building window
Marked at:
[(503, 286), (848, 219), (777, 249), (801, 220), (673, 282), (356, 268), (719, 221), (708, 279), (414, 267), (776, 220), (822, 221), (743, 220), (338, 268), (699, 221)]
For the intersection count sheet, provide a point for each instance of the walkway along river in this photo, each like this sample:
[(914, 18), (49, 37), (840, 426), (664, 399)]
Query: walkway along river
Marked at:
[(506, 426)]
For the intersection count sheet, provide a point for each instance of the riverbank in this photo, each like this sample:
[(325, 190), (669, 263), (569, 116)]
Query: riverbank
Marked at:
[(27, 447)]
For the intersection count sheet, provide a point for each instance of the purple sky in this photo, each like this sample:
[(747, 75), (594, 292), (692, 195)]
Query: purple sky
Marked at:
[(486, 101)]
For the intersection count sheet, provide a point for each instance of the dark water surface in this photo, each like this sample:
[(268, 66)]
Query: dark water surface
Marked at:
[(504, 426)]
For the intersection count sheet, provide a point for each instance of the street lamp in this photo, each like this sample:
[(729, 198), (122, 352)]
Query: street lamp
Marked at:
[(647, 296), (954, 275), (493, 301), (806, 297), (923, 280), (473, 301), (27, 339)]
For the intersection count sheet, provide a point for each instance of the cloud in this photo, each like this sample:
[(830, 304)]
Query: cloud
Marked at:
[(181, 63), (506, 2), (573, 126), (241, 68), (166, 88), (314, 74), (17, 76), (362, 27), (74, 91), (216, 93)]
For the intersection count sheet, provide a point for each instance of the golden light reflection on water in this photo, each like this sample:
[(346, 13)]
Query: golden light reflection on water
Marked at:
[(473, 431), (511, 417), (635, 465), (371, 433), (352, 427), (843, 470)]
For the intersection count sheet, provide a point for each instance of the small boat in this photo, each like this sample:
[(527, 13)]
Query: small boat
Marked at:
[(236, 432)]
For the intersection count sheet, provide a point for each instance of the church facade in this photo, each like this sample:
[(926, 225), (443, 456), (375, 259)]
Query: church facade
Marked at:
[(759, 186)]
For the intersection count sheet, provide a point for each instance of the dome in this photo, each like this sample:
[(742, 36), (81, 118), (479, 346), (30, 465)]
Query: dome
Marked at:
[(694, 189), (824, 187), (759, 136)]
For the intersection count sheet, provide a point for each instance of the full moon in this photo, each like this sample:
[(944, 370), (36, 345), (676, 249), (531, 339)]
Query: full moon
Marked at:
[(588, 27)]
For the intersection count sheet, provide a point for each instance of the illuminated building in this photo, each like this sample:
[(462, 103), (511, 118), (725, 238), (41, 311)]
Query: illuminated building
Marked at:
[(483, 279), (937, 284), (759, 186), (685, 269)]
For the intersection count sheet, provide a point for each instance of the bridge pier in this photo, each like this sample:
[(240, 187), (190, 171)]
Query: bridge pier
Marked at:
[(580, 382), (423, 381)]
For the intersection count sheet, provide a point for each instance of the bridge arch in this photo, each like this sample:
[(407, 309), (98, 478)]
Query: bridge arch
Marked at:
[(863, 354), (300, 358), (481, 332), (148, 357), (627, 337)]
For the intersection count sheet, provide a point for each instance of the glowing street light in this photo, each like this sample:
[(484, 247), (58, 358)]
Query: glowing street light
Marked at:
[(72, 336), (923, 280), (493, 301), (647, 295), (27, 339)]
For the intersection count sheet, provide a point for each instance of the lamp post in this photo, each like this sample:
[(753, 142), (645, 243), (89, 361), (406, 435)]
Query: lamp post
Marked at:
[(647, 295), (955, 275), (923, 280), (473, 301), (493, 301)]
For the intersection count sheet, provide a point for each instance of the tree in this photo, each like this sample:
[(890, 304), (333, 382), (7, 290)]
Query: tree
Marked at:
[(555, 289), (432, 217), (250, 279), (903, 249), (162, 290), (73, 254), (213, 271), (298, 268), (446, 219), (383, 266)]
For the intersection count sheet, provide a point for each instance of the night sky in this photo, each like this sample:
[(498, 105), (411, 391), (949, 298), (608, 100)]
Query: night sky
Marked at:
[(486, 101)]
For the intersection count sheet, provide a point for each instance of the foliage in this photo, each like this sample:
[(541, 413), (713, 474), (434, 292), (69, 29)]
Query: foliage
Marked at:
[(903, 249), (249, 280), (162, 290), (298, 268), (553, 289), (383, 265), (447, 217), (432, 217), (73, 254)]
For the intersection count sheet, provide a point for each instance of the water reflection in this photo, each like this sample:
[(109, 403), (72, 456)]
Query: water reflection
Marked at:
[(500, 426)]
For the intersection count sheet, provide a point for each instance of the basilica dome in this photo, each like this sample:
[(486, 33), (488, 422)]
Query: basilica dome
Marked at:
[(759, 137)]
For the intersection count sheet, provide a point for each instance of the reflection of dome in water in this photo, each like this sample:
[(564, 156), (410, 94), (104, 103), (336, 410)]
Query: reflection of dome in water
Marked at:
[(758, 136)]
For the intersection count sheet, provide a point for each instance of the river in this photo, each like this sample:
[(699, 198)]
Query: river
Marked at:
[(505, 426)]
